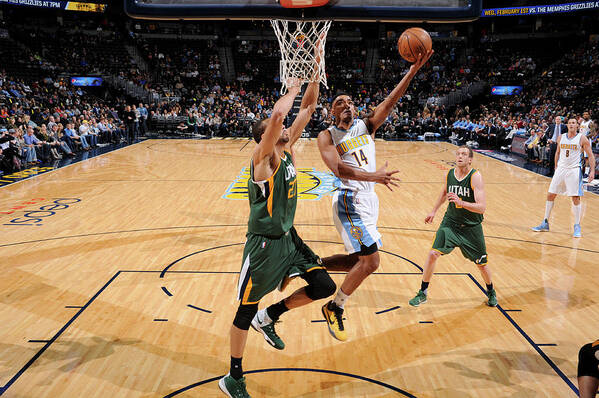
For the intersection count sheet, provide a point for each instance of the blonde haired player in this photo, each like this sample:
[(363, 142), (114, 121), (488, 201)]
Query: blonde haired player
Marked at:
[(462, 224), (567, 179)]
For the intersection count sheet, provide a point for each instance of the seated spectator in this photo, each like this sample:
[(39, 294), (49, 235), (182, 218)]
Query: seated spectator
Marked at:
[(105, 131), (86, 132), (541, 149), (50, 145), (72, 138), (41, 148), (182, 128), (28, 144), (192, 122), (6, 164), (55, 139)]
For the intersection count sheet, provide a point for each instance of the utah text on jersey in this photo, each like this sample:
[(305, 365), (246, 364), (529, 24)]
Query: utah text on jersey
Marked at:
[(459, 190)]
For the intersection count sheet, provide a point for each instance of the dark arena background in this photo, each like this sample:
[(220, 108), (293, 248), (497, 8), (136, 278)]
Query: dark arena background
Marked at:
[(125, 148)]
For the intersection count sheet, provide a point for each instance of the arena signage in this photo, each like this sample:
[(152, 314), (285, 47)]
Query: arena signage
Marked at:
[(86, 81), (37, 217), (60, 5), (541, 9), (20, 175), (506, 90)]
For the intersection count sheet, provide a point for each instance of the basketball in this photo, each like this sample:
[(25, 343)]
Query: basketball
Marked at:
[(414, 41)]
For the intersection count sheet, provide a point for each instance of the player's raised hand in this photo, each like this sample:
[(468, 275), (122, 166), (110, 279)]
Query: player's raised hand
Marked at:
[(421, 60), (382, 176), (293, 83), (430, 217)]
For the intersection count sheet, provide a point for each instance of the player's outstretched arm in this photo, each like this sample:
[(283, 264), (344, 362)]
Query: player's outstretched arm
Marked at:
[(384, 108), (341, 170), (275, 123), (440, 200), (586, 146), (308, 104), (307, 108), (480, 199)]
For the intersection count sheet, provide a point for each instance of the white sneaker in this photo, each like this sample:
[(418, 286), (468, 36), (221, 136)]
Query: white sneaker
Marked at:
[(263, 324)]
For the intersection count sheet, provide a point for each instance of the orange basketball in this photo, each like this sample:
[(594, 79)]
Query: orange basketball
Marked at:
[(414, 41)]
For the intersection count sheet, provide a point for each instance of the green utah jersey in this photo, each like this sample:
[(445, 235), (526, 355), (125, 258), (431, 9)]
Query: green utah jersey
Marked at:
[(273, 201), (463, 188)]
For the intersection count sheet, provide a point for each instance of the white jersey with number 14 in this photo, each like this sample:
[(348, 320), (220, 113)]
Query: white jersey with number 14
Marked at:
[(356, 148)]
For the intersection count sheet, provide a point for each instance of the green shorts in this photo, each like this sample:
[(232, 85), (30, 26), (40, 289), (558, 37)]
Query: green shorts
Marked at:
[(266, 262), (470, 240)]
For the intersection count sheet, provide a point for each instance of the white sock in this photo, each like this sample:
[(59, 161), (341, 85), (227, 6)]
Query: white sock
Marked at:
[(340, 298), (263, 317), (577, 210), (548, 208)]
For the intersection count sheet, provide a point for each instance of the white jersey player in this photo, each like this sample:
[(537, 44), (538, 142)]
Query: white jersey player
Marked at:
[(347, 148), (567, 179), (356, 148), (587, 127)]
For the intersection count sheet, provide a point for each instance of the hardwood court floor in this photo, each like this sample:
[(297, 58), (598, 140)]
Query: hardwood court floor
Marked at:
[(119, 277)]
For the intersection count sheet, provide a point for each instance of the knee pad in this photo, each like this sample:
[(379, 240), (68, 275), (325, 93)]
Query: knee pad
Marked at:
[(244, 316), (368, 250), (588, 363), (320, 285)]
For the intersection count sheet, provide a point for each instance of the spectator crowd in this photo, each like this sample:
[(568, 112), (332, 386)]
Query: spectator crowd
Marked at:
[(45, 118)]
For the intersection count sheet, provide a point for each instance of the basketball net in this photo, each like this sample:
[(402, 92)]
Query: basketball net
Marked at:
[(298, 41)]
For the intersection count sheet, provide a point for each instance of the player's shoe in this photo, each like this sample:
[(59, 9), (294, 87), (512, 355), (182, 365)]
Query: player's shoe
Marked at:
[(420, 298), (492, 298), (334, 317), (233, 388), (577, 231), (542, 227), (268, 330)]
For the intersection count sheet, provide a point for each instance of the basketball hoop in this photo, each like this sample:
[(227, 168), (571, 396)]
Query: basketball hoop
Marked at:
[(300, 58)]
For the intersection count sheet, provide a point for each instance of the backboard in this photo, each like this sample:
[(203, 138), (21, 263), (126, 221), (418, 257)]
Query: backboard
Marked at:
[(337, 10)]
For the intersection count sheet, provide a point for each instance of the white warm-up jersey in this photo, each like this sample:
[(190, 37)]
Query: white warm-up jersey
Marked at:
[(584, 127), (356, 148), (570, 152)]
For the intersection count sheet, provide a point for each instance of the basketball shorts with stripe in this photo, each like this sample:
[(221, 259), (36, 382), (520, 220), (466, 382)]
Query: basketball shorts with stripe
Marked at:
[(355, 215), (567, 182), (267, 261), (470, 240)]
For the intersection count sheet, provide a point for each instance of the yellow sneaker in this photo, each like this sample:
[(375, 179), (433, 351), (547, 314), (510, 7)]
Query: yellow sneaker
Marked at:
[(334, 317)]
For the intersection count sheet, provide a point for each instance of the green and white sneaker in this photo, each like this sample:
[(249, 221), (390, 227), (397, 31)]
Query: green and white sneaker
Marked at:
[(263, 324), (492, 298), (233, 388), (420, 298)]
